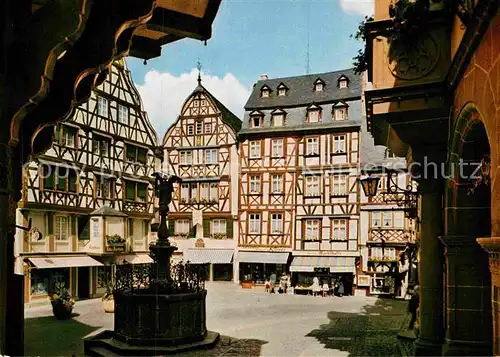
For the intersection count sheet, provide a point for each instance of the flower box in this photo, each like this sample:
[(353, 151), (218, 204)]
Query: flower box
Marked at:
[(115, 243)]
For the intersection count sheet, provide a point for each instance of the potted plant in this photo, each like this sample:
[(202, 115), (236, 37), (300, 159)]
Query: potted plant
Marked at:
[(62, 302), (115, 243), (108, 301)]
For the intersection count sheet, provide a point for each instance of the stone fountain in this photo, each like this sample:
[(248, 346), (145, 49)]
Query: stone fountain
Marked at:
[(159, 308)]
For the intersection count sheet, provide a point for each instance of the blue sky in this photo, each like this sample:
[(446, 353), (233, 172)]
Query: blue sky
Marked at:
[(250, 37)]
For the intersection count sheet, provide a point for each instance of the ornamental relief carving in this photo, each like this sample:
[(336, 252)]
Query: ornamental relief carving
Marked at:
[(414, 58)]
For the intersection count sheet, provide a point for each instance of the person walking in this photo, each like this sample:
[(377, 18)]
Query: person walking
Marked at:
[(413, 306), (268, 285), (341, 289), (272, 282), (326, 288), (316, 288)]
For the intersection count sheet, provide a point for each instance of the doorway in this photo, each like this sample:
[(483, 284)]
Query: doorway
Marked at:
[(84, 282)]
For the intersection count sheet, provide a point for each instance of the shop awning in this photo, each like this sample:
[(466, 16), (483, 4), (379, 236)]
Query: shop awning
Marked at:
[(336, 264), (204, 256), (64, 262), (134, 259), (263, 257)]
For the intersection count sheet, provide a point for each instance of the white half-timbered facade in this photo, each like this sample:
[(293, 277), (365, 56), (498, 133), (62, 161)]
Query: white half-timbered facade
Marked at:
[(200, 148), (299, 191), (101, 160)]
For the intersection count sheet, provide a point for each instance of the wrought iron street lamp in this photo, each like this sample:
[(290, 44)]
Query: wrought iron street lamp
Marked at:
[(370, 185)]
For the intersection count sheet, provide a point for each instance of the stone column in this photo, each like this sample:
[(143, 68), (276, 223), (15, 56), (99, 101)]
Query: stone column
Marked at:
[(468, 330), (492, 246), (430, 269), (211, 272)]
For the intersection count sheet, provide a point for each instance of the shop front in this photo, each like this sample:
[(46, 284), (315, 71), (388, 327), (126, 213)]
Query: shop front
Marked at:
[(217, 262), (43, 272), (256, 267), (334, 271)]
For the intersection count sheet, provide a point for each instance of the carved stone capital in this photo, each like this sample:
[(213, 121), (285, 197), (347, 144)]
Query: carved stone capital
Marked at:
[(461, 245), (492, 246)]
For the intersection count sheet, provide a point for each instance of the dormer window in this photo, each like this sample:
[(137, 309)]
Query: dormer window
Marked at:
[(319, 85), (256, 119), (265, 92), (313, 114), (340, 111), (343, 82), (282, 89), (277, 118)]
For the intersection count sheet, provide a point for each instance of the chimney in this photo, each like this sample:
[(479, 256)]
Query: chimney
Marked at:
[(263, 77)]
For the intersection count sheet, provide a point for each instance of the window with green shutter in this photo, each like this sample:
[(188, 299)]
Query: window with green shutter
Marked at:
[(62, 174), (142, 155), (206, 228), (48, 177), (72, 181), (131, 153), (130, 191), (50, 223), (229, 227), (141, 191), (171, 227)]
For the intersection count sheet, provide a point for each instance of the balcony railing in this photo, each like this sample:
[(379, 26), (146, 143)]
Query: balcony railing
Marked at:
[(135, 207)]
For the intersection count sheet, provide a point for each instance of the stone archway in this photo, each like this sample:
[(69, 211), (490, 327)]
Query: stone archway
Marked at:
[(467, 217)]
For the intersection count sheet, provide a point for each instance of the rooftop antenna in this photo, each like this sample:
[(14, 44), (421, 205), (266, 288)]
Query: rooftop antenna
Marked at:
[(198, 65), (308, 67)]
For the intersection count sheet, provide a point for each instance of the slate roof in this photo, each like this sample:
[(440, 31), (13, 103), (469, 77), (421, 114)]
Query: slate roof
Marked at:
[(227, 116), (301, 90), (108, 212)]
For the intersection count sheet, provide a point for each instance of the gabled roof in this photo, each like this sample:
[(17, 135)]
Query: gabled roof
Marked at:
[(319, 80), (278, 111), (340, 104), (282, 85), (313, 106), (301, 90)]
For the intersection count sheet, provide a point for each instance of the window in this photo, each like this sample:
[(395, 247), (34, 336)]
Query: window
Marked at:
[(312, 146), (256, 121), (62, 228), (186, 157), (68, 137), (376, 219), (218, 226), (277, 148), (211, 156), (339, 185), (100, 146), (277, 120), (59, 179), (399, 220), (318, 87), (276, 223), (214, 191), (254, 149), (196, 103), (313, 116), (276, 183), (199, 127), (343, 83), (182, 226), (103, 187), (340, 114), (312, 229), (281, 91), (190, 129), (102, 106), (254, 184), (122, 114), (376, 252), (339, 229), (387, 219), (264, 93), (208, 128), (194, 191), (136, 154), (135, 191), (339, 144), (254, 223), (204, 191), (203, 103), (312, 186), (185, 191)]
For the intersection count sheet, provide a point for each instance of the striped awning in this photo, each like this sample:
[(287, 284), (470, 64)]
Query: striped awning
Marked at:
[(336, 264), (205, 256), (64, 262), (134, 259), (263, 257)]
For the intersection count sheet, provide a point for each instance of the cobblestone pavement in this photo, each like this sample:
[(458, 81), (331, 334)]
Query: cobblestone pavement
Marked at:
[(251, 322)]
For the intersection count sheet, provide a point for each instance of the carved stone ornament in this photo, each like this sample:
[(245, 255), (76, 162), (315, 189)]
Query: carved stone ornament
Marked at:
[(413, 59), (35, 234)]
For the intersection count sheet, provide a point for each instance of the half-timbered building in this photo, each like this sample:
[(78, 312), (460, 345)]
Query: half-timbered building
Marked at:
[(200, 148), (299, 158), (89, 198)]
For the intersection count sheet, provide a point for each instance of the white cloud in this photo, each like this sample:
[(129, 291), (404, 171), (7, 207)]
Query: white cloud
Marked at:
[(163, 95), (359, 7)]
